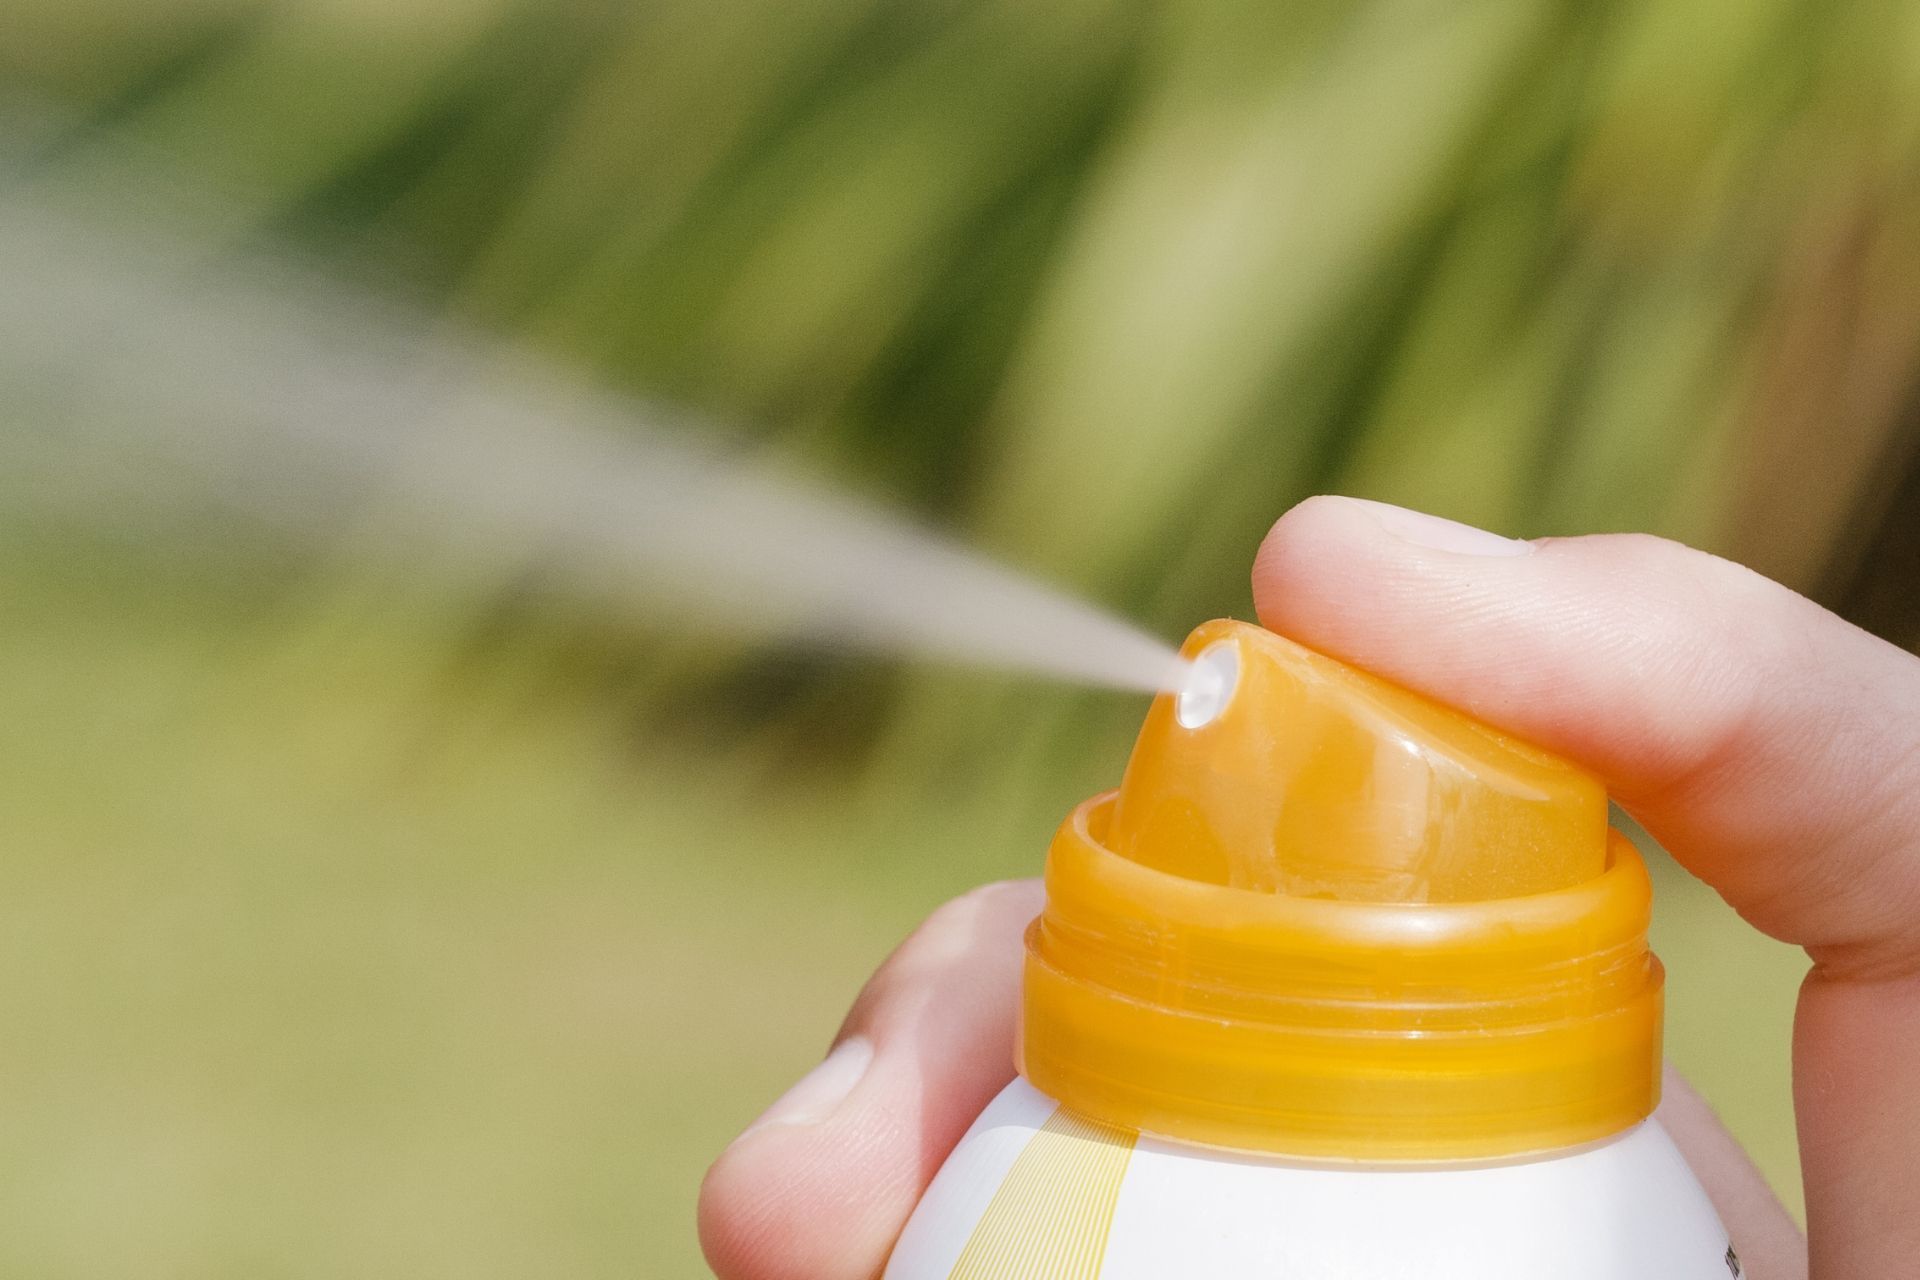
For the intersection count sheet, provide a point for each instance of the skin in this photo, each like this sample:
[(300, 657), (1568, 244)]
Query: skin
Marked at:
[(1770, 746)]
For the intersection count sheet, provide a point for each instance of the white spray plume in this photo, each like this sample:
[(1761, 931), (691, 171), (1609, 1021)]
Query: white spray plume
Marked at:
[(148, 358)]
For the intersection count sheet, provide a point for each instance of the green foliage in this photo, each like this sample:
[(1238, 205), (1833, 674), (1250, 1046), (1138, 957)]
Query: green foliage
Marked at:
[(359, 918)]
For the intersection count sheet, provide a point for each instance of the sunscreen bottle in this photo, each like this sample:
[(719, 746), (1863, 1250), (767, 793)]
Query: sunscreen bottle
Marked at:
[(1339, 985)]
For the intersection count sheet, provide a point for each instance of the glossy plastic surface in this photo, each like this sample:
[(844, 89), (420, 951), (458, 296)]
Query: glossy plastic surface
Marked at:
[(1318, 780), (1331, 919), (1024, 1197)]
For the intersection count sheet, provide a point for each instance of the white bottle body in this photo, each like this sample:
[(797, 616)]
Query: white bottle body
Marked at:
[(1032, 1194)]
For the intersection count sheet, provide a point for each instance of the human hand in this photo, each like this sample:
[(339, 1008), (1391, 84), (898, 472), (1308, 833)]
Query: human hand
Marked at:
[(1771, 747)]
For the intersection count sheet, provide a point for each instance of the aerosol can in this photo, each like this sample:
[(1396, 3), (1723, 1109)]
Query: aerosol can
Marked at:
[(1339, 985)]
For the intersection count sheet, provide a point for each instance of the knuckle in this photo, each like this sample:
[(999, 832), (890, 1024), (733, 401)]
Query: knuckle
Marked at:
[(959, 922), (969, 930)]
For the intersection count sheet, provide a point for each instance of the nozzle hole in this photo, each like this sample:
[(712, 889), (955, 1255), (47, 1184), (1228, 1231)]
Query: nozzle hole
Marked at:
[(1209, 687)]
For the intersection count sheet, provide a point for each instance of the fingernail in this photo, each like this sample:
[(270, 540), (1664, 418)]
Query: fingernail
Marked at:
[(821, 1091), (1436, 534)]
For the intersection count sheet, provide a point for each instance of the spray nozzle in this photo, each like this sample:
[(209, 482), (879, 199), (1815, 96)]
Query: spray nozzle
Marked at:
[(1276, 768), (1210, 681)]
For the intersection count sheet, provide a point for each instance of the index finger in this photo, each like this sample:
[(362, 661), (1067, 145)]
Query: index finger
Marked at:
[(1768, 745)]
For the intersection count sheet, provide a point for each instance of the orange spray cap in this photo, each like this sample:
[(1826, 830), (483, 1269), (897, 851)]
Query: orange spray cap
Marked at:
[(1328, 917), (1280, 770)]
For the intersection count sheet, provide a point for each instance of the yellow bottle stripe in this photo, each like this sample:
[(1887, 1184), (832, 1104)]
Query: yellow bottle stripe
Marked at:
[(1050, 1217)]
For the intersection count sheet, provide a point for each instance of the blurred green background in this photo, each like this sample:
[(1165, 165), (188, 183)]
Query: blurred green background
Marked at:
[(360, 923)]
